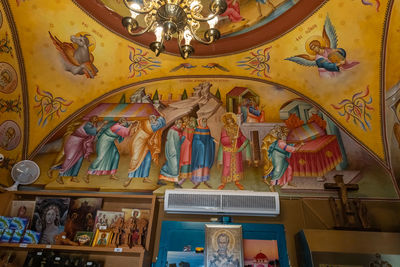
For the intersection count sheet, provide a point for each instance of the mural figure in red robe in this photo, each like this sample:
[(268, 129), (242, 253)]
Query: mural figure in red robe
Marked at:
[(233, 142)]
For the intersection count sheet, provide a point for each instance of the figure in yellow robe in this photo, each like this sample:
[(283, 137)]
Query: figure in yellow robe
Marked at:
[(145, 146)]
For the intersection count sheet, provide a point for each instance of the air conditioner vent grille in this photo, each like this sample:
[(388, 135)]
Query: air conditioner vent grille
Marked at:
[(248, 202), (194, 200), (197, 201)]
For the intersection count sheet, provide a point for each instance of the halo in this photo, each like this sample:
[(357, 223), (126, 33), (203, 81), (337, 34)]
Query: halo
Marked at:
[(233, 115), (133, 212), (314, 38), (214, 239), (91, 40)]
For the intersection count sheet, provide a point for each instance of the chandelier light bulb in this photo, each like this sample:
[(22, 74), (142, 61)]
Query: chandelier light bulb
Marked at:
[(134, 14), (212, 22), (158, 32), (188, 37), (135, 6), (194, 3), (179, 19)]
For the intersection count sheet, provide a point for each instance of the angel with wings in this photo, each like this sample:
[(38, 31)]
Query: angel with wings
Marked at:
[(324, 53)]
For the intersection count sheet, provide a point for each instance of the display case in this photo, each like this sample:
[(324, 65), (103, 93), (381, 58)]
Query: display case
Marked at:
[(263, 244), (109, 255)]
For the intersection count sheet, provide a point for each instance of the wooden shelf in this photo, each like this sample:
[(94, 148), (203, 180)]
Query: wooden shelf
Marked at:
[(133, 250), (136, 256), (77, 194)]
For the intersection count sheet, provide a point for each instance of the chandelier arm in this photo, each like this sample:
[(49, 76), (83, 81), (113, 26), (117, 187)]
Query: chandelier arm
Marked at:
[(200, 19), (143, 31), (138, 11), (198, 39)]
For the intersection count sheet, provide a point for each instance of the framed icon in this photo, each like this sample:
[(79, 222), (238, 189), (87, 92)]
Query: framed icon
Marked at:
[(102, 238), (224, 245)]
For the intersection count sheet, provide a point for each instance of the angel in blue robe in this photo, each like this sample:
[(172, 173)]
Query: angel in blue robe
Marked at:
[(324, 53)]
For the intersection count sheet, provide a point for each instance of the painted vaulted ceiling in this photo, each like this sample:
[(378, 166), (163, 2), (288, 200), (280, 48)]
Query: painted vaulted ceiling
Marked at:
[(272, 52)]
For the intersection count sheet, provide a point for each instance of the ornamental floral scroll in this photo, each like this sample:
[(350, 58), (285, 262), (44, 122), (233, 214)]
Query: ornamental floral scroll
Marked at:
[(257, 62), (141, 62), (357, 108), (49, 106)]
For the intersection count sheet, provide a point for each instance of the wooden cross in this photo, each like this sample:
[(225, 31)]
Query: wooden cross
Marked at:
[(342, 189)]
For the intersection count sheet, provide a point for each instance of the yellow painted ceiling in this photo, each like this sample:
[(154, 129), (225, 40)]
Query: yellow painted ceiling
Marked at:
[(360, 30)]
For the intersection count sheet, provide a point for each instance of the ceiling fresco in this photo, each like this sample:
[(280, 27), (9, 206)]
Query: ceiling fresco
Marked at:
[(248, 29), (321, 60), (240, 18), (393, 42), (12, 127)]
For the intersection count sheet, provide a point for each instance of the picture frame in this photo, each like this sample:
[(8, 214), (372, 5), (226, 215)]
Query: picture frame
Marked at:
[(54, 208), (104, 219), (22, 209), (102, 238), (264, 252), (181, 258), (82, 215), (84, 238), (136, 213), (223, 245)]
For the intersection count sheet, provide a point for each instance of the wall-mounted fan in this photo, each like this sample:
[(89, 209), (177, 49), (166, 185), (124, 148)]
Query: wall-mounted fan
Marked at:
[(24, 172)]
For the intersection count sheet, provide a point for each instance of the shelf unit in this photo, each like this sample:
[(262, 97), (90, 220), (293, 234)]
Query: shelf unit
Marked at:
[(135, 256)]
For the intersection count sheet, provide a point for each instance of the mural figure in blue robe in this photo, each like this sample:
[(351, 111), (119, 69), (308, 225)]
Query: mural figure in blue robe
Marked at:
[(170, 170), (203, 153), (107, 159)]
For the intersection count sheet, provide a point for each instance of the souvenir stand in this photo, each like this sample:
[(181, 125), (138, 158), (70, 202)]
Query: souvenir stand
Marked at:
[(73, 251)]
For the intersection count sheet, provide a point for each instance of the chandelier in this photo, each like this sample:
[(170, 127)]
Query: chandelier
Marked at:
[(174, 18)]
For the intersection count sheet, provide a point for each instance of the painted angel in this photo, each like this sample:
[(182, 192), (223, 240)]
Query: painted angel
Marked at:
[(324, 53)]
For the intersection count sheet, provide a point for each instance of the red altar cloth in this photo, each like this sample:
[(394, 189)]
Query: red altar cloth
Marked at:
[(316, 157)]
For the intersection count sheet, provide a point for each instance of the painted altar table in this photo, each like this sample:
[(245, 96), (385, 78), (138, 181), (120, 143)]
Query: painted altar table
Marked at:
[(316, 157)]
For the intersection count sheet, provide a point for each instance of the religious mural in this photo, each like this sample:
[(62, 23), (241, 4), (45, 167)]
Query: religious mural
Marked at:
[(186, 66), (257, 62), (147, 139), (49, 106), (324, 53), (392, 110), (76, 55), (11, 102), (5, 46), (253, 120), (239, 17), (141, 62), (212, 66), (357, 109), (375, 4), (8, 78), (10, 135), (11, 105)]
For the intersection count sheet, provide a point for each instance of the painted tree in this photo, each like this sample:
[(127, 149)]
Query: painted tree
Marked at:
[(155, 96), (184, 95), (218, 94), (123, 99)]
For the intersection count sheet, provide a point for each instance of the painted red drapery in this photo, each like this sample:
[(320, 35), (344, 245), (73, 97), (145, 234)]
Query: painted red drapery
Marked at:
[(316, 157)]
